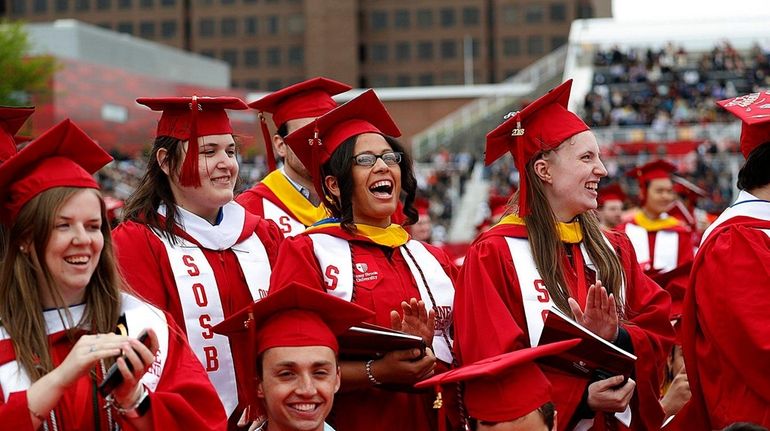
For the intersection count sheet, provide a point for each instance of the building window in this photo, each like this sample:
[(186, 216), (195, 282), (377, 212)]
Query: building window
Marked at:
[(378, 52), (206, 27), (558, 41), (476, 47), (534, 13), (425, 79), (272, 24), (403, 51), (40, 6), (228, 1), (104, 25), (273, 84), (448, 17), (168, 29), (295, 24), (425, 18), (379, 20), (471, 16), (81, 5), (250, 25), (403, 80), (251, 57), (274, 56), (147, 3), (584, 9), (207, 53), (228, 27), (296, 55), (147, 29), (167, 3), (379, 81), (509, 14), (558, 12), (511, 47), (251, 84), (230, 56), (62, 5), (401, 18), (19, 7), (450, 78), (448, 49), (535, 45), (125, 4), (425, 50), (125, 27)]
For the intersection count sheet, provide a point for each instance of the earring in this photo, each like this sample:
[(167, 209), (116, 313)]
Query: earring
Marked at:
[(22, 249)]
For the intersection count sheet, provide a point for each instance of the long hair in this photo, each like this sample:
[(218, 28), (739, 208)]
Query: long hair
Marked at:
[(754, 172), (548, 249), (340, 166), (24, 275)]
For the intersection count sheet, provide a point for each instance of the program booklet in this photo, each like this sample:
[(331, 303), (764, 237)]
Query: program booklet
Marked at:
[(368, 341), (594, 358)]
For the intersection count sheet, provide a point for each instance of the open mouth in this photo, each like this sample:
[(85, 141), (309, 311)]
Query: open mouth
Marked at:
[(221, 180), (77, 260), (382, 189), (592, 186)]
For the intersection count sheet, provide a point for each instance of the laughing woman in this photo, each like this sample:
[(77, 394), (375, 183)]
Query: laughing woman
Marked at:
[(62, 306), (360, 256), (549, 251), (186, 246)]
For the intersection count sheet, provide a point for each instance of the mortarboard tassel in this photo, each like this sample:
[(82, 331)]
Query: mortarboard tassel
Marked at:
[(268, 143), (189, 175)]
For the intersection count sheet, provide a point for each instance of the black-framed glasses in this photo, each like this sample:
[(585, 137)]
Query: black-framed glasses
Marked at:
[(391, 158)]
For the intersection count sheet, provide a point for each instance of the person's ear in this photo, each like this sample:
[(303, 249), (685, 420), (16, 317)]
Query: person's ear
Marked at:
[(338, 379), (260, 389), (332, 186), (542, 170), (161, 156), (279, 146), (555, 426)]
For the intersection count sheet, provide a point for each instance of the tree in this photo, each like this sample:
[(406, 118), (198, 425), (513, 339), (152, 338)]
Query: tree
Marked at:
[(21, 75)]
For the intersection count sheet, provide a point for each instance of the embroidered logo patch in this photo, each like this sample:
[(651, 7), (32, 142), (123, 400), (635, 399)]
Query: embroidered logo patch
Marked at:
[(365, 271)]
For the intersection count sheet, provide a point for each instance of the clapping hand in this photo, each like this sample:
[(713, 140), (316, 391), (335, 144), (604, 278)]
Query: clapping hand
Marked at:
[(416, 320), (600, 315)]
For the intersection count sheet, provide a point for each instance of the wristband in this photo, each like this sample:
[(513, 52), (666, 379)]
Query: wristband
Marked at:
[(369, 374), (136, 410)]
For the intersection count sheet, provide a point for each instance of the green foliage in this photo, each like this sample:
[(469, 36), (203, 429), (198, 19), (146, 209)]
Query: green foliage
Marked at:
[(21, 76)]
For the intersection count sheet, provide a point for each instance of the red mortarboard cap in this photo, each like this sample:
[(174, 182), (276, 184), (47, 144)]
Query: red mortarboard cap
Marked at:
[(307, 99), (611, 192), (684, 186), (187, 118), (11, 120), (650, 171), (63, 156), (315, 142), (754, 111), (422, 206), (482, 381), (542, 125)]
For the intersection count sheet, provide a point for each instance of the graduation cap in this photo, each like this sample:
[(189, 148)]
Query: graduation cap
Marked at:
[(422, 205), (541, 126), (611, 192), (11, 120), (186, 119), (482, 382), (294, 316), (314, 143), (63, 156), (651, 171), (307, 99), (754, 111)]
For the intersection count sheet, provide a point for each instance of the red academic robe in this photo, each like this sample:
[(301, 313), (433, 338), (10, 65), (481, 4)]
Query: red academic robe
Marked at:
[(490, 320), (276, 199), (684, 247), (725, 325), (144, 262), (388, 281), (182, 399)]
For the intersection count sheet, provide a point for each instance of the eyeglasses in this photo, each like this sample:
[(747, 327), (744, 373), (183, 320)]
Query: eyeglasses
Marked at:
[(390, 158)]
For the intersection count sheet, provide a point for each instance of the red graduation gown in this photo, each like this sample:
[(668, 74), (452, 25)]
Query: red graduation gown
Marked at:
[(490, 320), (685, 249), (725, 328), (370, 409), (143, 260), (184, 398)]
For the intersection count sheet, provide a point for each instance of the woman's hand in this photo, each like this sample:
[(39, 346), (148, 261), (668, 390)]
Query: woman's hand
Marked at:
[(88, 350), (600, 315), (677, 394), (141, 358), (416, 321), (606, 396), (404, 367)]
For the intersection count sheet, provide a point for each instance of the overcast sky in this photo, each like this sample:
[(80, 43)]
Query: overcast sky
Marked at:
[(682, 9)]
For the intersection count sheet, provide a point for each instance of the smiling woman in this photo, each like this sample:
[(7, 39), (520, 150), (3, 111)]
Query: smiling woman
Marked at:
[(360, 255), (190, 249)]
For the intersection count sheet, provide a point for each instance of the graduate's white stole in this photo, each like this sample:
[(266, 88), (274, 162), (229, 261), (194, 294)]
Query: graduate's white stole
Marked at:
[(335, 258), (666, 247), (286, 222), (202, 305), (139, 315), (537, 301)]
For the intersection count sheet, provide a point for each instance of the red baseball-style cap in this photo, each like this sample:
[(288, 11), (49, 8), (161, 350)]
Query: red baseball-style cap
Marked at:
[(754, 111), (540, 126), (187, 118), (11, 120), (483, 382), (315, 142), (63, 156)]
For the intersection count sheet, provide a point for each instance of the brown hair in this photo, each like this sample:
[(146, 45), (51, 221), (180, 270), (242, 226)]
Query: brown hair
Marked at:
[(548, 250), (24, 275)]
